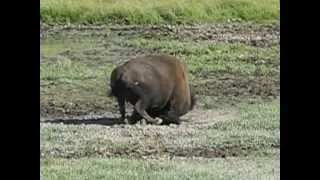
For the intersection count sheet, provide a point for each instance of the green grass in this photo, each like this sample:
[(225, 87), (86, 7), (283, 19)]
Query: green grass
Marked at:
[(235, 58), (117, 168), (156, 12)]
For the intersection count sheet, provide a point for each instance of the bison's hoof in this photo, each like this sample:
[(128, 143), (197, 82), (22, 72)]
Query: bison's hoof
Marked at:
[(126, 121), (129, 120), (159, 121)]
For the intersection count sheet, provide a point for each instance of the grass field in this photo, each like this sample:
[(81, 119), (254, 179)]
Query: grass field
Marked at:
[(233, 132), (155, 12), (96, 168)]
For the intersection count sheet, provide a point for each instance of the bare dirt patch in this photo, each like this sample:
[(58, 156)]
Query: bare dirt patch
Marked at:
[(257, 35)]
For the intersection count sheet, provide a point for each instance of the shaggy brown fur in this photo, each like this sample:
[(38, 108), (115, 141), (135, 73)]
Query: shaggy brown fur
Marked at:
[(156, 85)]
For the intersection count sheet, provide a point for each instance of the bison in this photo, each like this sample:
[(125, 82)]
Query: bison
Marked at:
[(156, 85)]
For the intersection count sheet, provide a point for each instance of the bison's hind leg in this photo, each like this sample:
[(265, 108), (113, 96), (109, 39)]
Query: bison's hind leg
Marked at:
[(141, 106), (170, 118), (135, 117)]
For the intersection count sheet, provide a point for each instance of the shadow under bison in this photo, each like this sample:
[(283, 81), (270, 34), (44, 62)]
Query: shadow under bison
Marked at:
[(108, 121), (101, 120)]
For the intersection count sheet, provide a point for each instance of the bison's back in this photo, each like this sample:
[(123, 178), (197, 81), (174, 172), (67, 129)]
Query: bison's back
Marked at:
[(175, 78), (148, 77)]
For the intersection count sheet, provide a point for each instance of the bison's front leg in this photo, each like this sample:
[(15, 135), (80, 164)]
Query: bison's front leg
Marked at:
[(141, 107), (134, 118), (122, 107)]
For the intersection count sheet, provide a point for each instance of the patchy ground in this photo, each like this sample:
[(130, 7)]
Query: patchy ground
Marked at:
[(233, 132)]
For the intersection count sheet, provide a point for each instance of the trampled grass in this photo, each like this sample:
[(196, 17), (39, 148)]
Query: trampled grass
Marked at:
[(155, 12)]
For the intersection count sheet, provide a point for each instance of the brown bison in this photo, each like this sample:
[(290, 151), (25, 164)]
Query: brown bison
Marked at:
[(156, 85)]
